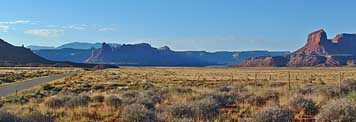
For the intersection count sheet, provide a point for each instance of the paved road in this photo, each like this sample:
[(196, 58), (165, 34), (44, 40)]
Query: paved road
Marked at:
[(11, 88)]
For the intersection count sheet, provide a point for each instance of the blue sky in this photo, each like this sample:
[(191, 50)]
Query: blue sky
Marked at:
[(210, 25)]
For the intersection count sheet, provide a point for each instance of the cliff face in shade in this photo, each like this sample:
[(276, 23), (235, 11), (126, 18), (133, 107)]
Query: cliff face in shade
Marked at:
[(12, 55), (142, 55), (318, 51)]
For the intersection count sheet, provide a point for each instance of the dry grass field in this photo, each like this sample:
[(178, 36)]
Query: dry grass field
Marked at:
[(186, 94)]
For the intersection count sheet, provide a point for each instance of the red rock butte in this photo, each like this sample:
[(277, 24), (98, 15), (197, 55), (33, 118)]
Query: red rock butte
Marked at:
[(318, 51)]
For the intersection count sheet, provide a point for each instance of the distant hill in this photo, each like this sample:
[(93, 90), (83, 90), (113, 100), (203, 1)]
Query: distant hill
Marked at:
[(65, 54), (80, 45), (318, 51), (11, 55), (73, 45), (34, 47)]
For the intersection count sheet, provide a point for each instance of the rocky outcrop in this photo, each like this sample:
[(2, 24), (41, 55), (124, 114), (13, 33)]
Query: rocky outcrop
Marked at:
[(318, 51)]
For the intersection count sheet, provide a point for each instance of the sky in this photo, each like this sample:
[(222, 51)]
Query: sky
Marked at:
[(211, 25)]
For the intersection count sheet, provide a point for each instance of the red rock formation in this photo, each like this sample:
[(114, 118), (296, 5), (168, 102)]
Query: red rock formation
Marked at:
[(315, 44), (318, 51)]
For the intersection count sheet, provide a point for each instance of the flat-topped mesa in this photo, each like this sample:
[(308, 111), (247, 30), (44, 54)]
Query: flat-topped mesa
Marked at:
[(345, 44), (345, 38)]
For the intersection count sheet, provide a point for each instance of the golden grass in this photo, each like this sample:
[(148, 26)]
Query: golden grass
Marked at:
[(177, 81)]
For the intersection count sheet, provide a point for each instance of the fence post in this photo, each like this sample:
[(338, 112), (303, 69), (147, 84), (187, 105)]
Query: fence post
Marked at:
[(340, 80), (289, 85), (256, 80)]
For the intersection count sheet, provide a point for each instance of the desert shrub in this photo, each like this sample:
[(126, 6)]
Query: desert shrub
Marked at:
[(205, 108), (129, 97), (308, 89), (147, 101), (306, 106), (147, 98), (37, 117), (256, 100), (225, 89), (76, 101), (99, 87), (98, 98), (348, 85), (181, 111), (47, 87), (8, 117), (138, 113), (20, 99), (183, 120), (277, 84), (154, 95), (273, 114), (113, 101), (341, 110), (223, 98), (271, 95), (183, 90), (55, 102), (330, 91), (351, 96), (244, 96)]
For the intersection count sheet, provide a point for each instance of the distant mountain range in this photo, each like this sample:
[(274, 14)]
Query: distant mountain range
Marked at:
[(318, 51), (11, 55), (144, 55), (73, 45)]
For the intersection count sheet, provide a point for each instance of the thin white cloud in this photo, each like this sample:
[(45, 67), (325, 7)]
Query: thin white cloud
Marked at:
[(15, 22), (75, 27), (4, 28), (70, 27), (45, 32), (106, 29)]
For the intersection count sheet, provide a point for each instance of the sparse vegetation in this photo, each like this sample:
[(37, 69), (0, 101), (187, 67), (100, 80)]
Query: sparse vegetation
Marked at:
[(189, 95), (138, 113), (338, 111), (273, 114)]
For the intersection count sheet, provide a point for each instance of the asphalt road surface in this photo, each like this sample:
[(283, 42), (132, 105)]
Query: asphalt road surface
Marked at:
[(17, 87)]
